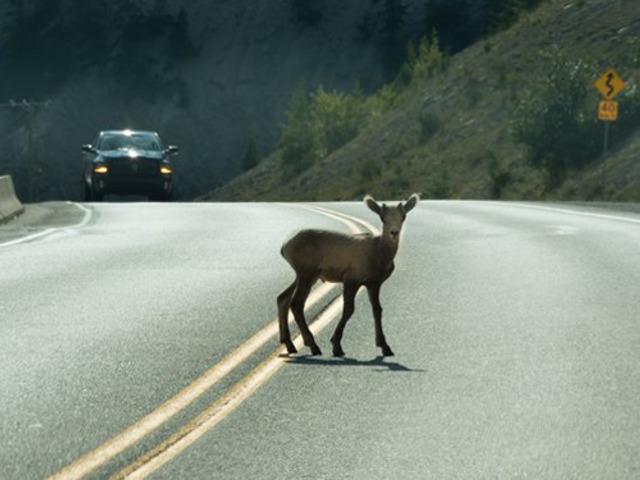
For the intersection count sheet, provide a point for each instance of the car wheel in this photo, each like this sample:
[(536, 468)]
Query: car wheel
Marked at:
[(97, 197), (160, 197), (88, 194)]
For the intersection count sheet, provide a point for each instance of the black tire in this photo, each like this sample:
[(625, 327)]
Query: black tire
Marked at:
[(97, 197), (160, 197), (88, 193)]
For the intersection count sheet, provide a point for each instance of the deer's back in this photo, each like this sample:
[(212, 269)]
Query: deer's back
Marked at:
[(330, 255)]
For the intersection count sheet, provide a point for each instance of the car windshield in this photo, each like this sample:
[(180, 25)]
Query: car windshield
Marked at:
[(122, 141)]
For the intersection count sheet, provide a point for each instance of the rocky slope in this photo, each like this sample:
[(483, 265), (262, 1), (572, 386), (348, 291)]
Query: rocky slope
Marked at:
[(208, 75), (452, 135)]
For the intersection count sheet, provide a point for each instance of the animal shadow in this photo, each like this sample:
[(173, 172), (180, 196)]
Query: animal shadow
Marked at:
[(379, 361)]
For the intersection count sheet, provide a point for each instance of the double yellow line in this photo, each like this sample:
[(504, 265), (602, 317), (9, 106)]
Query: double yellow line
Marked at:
[(218, 410)]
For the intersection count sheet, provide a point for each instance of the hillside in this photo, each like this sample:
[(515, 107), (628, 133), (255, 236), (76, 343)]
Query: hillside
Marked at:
[(452, 134), (208, 75)]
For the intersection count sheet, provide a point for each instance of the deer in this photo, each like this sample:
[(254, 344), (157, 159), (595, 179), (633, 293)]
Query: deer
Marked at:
[(353, 260)]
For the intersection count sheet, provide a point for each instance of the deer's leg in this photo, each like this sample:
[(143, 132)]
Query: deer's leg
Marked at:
[(348, 306), (303, 287), (284, 303), (374, 298)]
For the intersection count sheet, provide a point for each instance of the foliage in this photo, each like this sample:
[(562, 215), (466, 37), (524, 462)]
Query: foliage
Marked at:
[(453, 21), (439, 184), (427, 59), (318, 124), (500, 176), (306, 12), (300, 142), (429, 125), (338, 116), (555, 120), (44, 46), (180, 43), (394, 35), (370, 169), (252, 155), (383, 100), (385, 26), (459, 23)]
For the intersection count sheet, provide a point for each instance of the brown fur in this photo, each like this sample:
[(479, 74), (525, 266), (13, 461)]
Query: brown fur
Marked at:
[(353, 260)]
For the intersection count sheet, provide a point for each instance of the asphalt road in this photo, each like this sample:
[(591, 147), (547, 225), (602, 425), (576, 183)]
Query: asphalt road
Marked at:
[(516, 330)]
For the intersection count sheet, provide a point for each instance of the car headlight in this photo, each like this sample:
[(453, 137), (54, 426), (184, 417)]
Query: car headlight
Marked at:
[(101, 169), (166, 170)]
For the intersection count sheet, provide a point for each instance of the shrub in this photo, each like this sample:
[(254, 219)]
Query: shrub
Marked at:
[(306, 12), (500, 176), (318, 124), (370, 170), (555, 120), (252, 155), (299, 141), (338, 117), (429, 125), (427, 59)]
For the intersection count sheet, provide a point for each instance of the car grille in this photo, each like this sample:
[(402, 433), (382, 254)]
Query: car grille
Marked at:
[(133, 168)]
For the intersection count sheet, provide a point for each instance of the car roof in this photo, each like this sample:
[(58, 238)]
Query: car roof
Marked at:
[(129, 132)]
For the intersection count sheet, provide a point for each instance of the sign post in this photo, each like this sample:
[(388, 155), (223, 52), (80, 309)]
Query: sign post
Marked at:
[(610, 84)]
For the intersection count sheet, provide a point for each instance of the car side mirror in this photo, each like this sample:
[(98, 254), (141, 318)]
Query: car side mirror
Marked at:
[(172, 150), (88, 148)]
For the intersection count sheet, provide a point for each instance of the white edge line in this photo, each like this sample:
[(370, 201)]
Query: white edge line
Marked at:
[(49, 231), (544, 208), (577, 212)]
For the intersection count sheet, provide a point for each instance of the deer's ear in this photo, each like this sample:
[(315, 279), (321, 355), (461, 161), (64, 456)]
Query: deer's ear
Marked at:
[(411, 203), (372, 204)]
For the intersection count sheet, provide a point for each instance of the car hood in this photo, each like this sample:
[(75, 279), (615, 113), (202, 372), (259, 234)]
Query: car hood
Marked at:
[(131, 153)]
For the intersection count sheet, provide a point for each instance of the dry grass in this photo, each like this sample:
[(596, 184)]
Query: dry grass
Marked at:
[(471, 107)]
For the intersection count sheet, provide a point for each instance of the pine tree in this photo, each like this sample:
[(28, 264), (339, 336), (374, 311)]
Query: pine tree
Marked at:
[(182, 47), (252, 156), (394, 35), (452, 20)]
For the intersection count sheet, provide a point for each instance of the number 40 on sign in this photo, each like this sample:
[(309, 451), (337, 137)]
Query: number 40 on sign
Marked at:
[(608, 110)]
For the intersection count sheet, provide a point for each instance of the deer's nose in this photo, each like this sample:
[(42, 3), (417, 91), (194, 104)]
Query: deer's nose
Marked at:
[(394, 233)]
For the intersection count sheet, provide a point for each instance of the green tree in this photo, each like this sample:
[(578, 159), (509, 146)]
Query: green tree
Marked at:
[(180, 43), (555, 120), (394, 35), (501, 14), (452, 19), (252, 155), (306, 12), (338, 117), (300, 142)]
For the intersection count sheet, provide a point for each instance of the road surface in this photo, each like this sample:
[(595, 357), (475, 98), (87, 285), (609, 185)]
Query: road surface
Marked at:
[(516, 329)]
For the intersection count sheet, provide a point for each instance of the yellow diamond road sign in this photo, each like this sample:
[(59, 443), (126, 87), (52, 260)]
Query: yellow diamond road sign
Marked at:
[(610, 84), (608, 110)]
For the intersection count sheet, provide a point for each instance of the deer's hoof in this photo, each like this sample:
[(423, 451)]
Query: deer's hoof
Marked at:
[(338, 352), (387, 352), (291, 347), (315, 350)]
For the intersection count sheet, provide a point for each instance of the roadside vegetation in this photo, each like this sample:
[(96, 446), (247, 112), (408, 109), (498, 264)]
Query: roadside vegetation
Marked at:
[(507, 112)]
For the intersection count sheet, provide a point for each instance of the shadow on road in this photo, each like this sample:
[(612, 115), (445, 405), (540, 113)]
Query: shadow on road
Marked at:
[(352, 362)]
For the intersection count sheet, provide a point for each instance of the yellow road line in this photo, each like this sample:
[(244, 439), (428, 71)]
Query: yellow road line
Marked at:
[(131, 435), (134, 433), (343, 216), (221, 408)]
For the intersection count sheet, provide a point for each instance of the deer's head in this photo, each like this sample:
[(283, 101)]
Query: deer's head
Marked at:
[(392, 216)]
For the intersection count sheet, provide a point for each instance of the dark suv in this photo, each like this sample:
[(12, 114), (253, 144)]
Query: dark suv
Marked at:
[(128, 162)]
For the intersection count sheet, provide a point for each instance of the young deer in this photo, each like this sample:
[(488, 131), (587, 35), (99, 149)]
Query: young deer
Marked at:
[(354, 260)]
